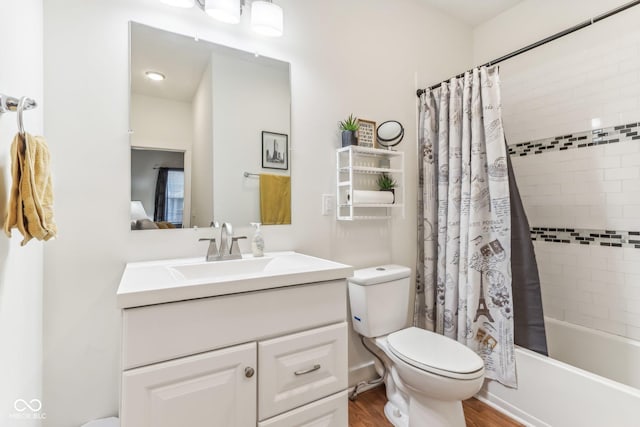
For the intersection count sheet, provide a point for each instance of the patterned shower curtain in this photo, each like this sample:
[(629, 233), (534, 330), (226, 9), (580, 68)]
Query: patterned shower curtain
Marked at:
[(464, 231)]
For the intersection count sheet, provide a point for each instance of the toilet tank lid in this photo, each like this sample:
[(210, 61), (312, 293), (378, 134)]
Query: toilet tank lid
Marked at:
[(379, 274)]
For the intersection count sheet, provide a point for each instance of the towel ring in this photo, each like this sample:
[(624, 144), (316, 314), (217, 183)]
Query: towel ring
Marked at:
[(21, 106)]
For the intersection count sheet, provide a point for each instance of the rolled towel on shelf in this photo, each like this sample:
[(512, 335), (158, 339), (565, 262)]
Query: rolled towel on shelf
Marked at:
[(370, 197)]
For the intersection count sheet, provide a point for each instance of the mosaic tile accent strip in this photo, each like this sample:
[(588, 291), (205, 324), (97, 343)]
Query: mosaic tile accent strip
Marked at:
[(611, 238), (612, 135)]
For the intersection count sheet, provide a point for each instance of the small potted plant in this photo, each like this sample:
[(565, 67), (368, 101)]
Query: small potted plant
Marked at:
[(387, 183), (349, 127)]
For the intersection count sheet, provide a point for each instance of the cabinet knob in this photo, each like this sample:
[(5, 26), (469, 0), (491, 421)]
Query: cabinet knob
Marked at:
[(248, 372)]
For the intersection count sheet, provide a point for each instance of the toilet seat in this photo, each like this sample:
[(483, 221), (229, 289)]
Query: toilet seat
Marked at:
[(436, 354)]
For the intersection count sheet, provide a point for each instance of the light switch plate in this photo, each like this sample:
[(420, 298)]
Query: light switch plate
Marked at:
[(327, 204)]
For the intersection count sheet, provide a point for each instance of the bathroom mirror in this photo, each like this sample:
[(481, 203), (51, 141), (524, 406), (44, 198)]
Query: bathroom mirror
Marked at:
[(390, 133), (199, 113)]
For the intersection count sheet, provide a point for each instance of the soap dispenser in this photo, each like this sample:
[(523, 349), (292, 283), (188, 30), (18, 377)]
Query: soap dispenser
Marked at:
[(257, 243)]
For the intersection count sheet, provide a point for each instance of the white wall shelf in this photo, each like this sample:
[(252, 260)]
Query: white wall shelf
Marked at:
[(358, 168)]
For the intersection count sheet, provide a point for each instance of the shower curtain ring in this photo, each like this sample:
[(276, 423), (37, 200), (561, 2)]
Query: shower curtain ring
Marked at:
[(21, 105)]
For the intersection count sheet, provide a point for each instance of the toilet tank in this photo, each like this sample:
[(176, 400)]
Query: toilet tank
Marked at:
[(379, 298)]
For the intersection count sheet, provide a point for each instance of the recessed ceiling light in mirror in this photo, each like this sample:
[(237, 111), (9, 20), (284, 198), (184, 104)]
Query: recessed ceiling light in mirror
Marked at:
[(155, 76)]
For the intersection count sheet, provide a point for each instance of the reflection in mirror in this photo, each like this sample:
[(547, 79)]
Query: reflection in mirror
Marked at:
[(157, 189), (213, 107)]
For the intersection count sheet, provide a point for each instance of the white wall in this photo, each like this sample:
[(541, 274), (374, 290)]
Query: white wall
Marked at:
[(20, 267), (533, 20), (161, 123), (250, 95), (202, 156), (334, 49)]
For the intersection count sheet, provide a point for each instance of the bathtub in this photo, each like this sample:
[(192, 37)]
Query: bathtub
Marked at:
[(608, 355), (558, 394)]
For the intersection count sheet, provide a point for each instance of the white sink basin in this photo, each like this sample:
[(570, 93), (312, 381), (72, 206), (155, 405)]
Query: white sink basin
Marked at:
[(146, 283), (220, 270)]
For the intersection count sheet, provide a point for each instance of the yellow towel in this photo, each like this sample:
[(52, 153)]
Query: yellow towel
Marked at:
[(31, 199), (275, 199)]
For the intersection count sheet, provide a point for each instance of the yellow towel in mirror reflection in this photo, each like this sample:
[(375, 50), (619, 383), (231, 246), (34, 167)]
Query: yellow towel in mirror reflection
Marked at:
[(30, 207), (275, 199)]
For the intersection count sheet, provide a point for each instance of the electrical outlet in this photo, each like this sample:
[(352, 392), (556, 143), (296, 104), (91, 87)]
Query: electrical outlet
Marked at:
[(327, 204)]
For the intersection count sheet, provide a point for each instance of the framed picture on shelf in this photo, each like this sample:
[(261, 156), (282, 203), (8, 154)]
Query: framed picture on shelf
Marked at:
[(367, 133), (275, 150)]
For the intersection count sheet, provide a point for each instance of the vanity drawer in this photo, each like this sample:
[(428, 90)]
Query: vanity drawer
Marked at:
[(331, 411), (162, 332), (299, 368)]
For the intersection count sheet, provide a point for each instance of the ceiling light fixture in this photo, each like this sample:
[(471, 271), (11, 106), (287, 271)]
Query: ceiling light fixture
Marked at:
[(227, 11), (179, 3), (155, 76), (267, 18)]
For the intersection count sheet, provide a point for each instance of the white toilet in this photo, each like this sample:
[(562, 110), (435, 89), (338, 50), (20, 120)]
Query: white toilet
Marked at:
[(427, 374)]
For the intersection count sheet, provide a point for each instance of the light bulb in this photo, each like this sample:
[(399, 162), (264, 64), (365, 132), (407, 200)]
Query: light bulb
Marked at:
[(155, 76), (179, 3), (227, 11), (267, 18)]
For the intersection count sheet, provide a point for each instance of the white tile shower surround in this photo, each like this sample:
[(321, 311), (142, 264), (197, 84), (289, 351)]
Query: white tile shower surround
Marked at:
[(556, 91), (592, 286), (594, 187), (560, 88)]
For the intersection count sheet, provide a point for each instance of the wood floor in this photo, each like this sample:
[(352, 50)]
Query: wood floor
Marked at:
[(368, 411)]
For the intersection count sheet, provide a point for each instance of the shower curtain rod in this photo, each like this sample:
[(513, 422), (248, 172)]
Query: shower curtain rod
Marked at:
[(544, 41)]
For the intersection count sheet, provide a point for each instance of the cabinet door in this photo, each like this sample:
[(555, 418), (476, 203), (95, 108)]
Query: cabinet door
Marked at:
[(206, 390), (300, 368)]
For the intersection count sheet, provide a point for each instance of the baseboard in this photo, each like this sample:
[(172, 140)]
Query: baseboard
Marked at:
[(364, 388), (509, 410), (363, 372)]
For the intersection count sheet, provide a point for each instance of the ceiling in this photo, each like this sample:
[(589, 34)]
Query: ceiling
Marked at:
[(181, 59), (473, 12)]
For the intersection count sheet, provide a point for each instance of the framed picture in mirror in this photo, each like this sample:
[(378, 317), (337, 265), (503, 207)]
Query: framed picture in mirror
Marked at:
[(367, 133), (275, 150)]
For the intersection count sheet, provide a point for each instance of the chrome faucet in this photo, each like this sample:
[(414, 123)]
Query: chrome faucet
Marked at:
[(228, 248), (225, 234)]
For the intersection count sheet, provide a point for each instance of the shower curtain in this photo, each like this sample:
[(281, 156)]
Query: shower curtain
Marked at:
[(464, 281)]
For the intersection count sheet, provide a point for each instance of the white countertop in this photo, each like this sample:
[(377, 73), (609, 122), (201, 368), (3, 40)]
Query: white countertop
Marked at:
[(157, 282)]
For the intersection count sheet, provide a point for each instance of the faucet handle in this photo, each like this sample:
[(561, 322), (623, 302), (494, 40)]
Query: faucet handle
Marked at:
[(214, 224), (212, 251), (235, 247)]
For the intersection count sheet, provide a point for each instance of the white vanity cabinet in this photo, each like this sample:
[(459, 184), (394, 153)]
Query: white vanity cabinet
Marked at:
[(212, 389), (269, 358)]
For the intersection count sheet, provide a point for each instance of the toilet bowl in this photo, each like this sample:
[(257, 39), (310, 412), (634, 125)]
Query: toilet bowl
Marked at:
[(427, 374)]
